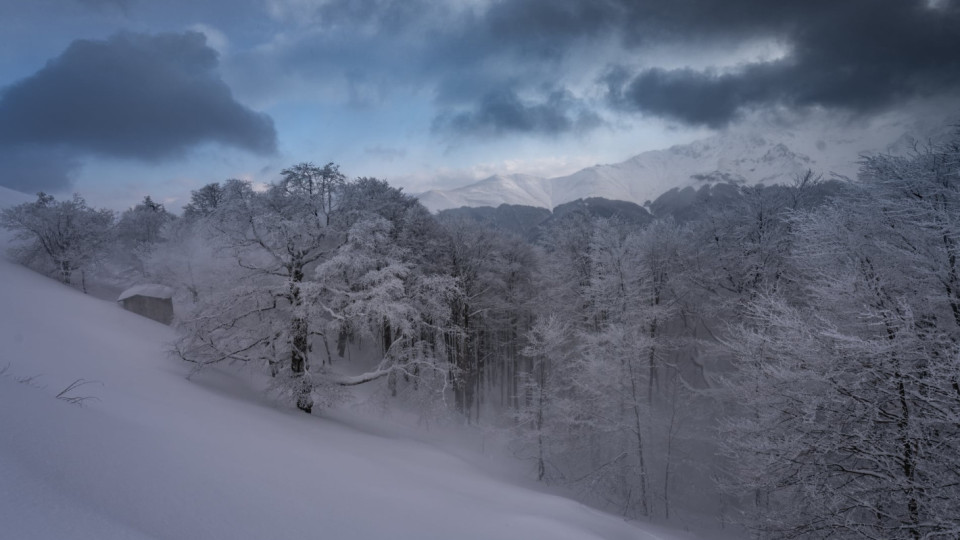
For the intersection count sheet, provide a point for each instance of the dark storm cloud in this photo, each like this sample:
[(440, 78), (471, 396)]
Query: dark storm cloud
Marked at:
[(504, 112), (30, 168), (147, 97), (858, 56), (474, 62), (695, 97), (855, 55), (547, 28)]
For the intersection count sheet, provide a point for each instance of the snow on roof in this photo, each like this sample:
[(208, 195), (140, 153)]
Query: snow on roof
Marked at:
[(152, 290)]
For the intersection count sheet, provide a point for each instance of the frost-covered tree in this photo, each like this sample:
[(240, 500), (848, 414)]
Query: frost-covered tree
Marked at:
[(373, 288), (740, 247), (203, 201), (275, 237), (617, 340), (317, 261), (850, 373), (550, 404), (142, 224), (64, 236), (469, 254), (620, 289), (634, 299), (139, 230), (185, 260), (514, 297)]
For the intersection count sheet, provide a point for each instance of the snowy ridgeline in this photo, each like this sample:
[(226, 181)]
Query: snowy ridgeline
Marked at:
[(773, 156), (743, 356)]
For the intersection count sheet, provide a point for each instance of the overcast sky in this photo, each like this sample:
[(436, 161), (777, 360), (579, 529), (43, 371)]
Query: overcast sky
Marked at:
[(122, 98)]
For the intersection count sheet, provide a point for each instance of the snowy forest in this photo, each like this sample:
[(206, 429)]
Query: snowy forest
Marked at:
[(782, 358)]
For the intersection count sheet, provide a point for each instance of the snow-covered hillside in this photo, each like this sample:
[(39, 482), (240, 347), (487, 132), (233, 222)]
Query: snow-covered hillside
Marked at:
[(10, 197), (152, 454), (750, 157)]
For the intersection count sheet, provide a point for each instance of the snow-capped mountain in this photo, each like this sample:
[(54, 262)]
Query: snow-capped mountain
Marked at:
[(749, 157), (493, 191), (726, 158)]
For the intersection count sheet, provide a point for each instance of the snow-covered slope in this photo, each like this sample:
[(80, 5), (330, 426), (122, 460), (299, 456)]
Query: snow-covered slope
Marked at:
[(9, 197), (151, 454), (772, 155)]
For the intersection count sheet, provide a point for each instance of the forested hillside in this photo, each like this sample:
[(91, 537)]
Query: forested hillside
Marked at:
[(782, 358)]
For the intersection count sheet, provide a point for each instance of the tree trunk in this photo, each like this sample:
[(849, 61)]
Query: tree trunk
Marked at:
[(66, 270), (644, 503), (908, 460), (299, 364), (300, 341), (652, 379)]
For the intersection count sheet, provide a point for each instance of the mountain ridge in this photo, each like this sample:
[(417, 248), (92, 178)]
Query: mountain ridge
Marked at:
[(733, 157)]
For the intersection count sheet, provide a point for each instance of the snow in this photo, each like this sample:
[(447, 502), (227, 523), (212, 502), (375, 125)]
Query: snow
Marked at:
[(493, 191), (151, 290), (746, 158), (762, 155), (152, 454), (9, 197)]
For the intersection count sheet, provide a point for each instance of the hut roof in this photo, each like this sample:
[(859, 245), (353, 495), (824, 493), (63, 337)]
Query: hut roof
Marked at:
[(151, 290)]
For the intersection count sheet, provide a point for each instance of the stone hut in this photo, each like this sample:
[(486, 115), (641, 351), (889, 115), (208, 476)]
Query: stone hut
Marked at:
[(151, 301)]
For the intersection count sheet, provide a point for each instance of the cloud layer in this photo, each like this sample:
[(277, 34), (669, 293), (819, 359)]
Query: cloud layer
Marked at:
[(503, 111), (854, 55), (32, 168), (457, 72), (146, 97)]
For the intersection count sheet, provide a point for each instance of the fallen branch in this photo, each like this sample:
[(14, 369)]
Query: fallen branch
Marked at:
[(77, 400)]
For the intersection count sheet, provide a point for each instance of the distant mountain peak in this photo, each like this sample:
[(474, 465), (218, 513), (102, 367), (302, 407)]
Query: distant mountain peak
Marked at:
[(736, 157)]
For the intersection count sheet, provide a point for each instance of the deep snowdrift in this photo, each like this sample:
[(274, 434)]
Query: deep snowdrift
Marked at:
[(154, 455)]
